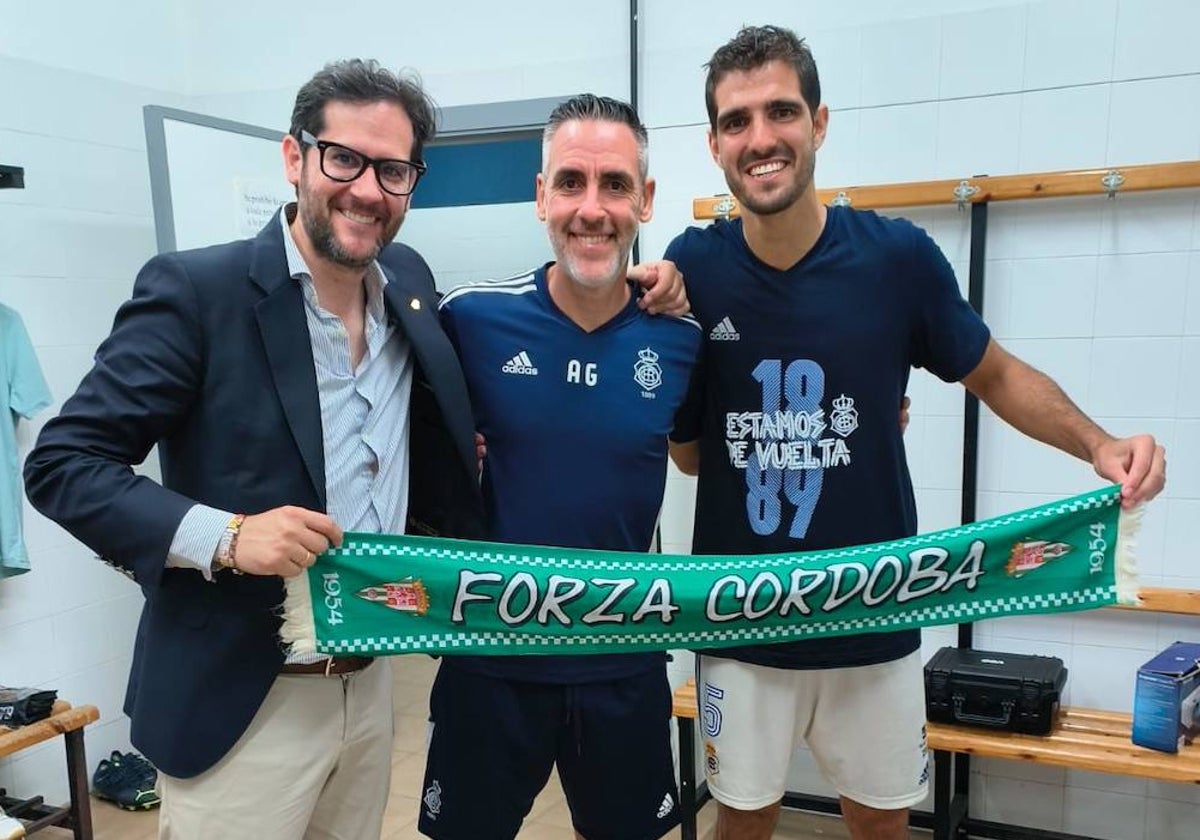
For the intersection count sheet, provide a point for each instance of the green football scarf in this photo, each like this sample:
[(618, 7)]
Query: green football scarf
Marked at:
[(379, 594)]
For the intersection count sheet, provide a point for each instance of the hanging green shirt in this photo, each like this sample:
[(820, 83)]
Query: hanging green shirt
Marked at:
[(25, 393)]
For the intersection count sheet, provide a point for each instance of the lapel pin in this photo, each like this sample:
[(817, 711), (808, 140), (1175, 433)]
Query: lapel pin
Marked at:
[(414, 304)]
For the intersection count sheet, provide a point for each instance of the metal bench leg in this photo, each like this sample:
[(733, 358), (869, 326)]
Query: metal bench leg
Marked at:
[(77, 779), (943, 795), (960, 811), (687, 778)]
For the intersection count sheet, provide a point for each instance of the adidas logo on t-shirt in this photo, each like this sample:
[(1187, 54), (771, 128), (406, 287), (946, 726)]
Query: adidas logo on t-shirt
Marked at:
[(667, 806), (520, 363), (724, 331)]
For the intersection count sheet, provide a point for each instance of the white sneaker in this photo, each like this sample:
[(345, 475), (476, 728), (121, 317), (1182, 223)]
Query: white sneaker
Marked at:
[(10, 827)]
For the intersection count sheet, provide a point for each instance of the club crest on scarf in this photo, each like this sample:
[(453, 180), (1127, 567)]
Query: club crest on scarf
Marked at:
[(1032, 554), (408, 596)]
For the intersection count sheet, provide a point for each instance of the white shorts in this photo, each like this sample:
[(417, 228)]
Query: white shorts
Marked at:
[(865, 727)]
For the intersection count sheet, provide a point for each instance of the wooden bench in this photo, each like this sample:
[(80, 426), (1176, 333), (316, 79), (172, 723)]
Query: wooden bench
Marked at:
[(1085, 739), (69, 722)]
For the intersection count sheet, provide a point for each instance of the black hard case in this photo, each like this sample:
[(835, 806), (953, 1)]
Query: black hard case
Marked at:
[(1010, 691)]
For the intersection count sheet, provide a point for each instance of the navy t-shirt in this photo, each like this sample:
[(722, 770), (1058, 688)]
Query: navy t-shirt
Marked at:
[(797, 392), (576, 425)]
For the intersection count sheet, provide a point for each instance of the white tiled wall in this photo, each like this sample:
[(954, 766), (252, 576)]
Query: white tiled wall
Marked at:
[(1105, 296), (70, 243), (451, 239), (467, 52)]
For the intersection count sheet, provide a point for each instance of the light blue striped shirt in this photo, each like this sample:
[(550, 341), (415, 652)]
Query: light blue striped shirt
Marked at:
[(364, 421)]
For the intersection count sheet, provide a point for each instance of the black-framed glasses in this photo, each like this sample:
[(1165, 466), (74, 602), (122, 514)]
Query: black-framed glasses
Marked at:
[(343, 164)]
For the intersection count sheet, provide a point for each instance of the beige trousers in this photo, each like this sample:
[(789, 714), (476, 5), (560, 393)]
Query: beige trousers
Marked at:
[(315, 763)]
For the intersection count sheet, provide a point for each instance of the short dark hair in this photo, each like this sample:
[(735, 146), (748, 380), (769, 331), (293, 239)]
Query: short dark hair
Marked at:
[(364, 81), (753, 47), (589, 106)]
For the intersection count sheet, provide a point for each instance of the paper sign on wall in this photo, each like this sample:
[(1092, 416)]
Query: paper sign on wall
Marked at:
[(255, 201)]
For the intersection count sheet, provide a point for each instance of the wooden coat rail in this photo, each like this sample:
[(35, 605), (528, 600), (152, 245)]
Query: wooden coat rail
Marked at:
[(1163, 600), (987, 188)]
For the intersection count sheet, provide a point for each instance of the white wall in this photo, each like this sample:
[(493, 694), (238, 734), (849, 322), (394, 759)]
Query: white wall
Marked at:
[(1104, 295), (480, 242), (137, 42), (70, 244), (466, 52)]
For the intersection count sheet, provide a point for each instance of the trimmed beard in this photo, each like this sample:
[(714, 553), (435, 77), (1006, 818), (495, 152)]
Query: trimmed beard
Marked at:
[(771, 205), (616, 275), (320, 234)]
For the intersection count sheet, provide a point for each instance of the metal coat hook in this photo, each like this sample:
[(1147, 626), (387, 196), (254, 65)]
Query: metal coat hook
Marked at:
[(1112, 181), (964, 192), (724, 207)]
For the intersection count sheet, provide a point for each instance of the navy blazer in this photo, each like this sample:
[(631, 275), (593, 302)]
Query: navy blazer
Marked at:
[(211, 360)]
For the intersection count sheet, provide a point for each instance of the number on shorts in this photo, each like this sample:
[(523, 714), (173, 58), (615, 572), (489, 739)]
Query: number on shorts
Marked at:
[(712, 712)]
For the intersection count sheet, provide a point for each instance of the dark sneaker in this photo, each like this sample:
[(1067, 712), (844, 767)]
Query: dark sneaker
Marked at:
[(127, 780), (141, 766)]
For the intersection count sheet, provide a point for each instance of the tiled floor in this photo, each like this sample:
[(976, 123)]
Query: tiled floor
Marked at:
[(549, 819)]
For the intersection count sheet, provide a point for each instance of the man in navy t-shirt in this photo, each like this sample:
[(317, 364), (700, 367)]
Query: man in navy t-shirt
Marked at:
[(813, 318), (575, 389)]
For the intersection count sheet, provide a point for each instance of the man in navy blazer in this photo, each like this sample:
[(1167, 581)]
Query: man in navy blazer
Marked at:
[(295, 388)]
